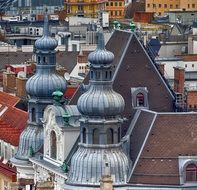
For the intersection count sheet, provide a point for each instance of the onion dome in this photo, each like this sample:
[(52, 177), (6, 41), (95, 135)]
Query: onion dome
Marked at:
[(101, 56), (44, 85), (100, 102), (100, 99), (46, 43)]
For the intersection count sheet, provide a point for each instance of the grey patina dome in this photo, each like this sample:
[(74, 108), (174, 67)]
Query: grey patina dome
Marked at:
[(102, 101), (101, 56), (46, 42), (44, 85)]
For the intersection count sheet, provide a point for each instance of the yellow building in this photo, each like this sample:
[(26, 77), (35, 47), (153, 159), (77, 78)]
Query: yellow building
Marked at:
[(84, 8), (162, 6), (115, 9)]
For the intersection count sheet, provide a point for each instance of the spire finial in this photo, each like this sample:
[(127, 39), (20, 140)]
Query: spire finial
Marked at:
[(46, 22), (100, 40)]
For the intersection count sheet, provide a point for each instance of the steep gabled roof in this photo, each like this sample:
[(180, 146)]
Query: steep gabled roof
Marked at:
[(134, 68), (169, 136)]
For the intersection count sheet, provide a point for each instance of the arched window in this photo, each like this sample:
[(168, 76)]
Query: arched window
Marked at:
[(53, 143), (110, 136), (84, 135), (33, 115), (140, 99), (95, 136), (191, 173)]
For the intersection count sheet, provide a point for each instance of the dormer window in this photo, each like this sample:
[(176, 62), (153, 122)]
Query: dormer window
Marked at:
[(139, 97), (191, 173)]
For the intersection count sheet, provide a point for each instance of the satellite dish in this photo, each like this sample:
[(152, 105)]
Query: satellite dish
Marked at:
[(21, 74), (67, 76)]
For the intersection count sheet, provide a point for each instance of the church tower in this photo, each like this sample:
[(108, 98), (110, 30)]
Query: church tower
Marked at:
[(100, 150), (39, 88)]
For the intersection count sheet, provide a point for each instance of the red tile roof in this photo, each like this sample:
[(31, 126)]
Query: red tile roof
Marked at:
[(7, 99), (12, 119), (8, 170)]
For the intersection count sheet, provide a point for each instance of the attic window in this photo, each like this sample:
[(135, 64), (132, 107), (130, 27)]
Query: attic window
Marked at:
[(140, 99), (191, 173)]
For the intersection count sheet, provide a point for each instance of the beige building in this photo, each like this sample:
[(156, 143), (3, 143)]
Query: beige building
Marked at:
[(162, 6)]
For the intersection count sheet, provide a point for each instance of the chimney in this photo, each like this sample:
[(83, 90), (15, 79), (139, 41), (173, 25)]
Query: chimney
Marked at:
[(161, 67), (20, 87), (179, 79), (9, 81)]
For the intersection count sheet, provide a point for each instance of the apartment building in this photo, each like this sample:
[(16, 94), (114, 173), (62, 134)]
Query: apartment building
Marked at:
[(115, 9), (84, 8), (162, 6)]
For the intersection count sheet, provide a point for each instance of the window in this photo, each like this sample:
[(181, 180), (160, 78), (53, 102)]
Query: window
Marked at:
[(53, 142), (107, 4), (193, 5), (120, 13), (140, 99), (171, 6), (188, 6), (106, 74), (185, 65), (165, 6), (33, 115), (38, 59), (80, 8), (159, 5), (177, 6), (110, 136), (111, 3), (119, 134), (191, 171), (116, 4), (192, 65), (120, 4), (91, 75), (148, 5), (95, 136), (84, 135), (154, 5), (44, 59)]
